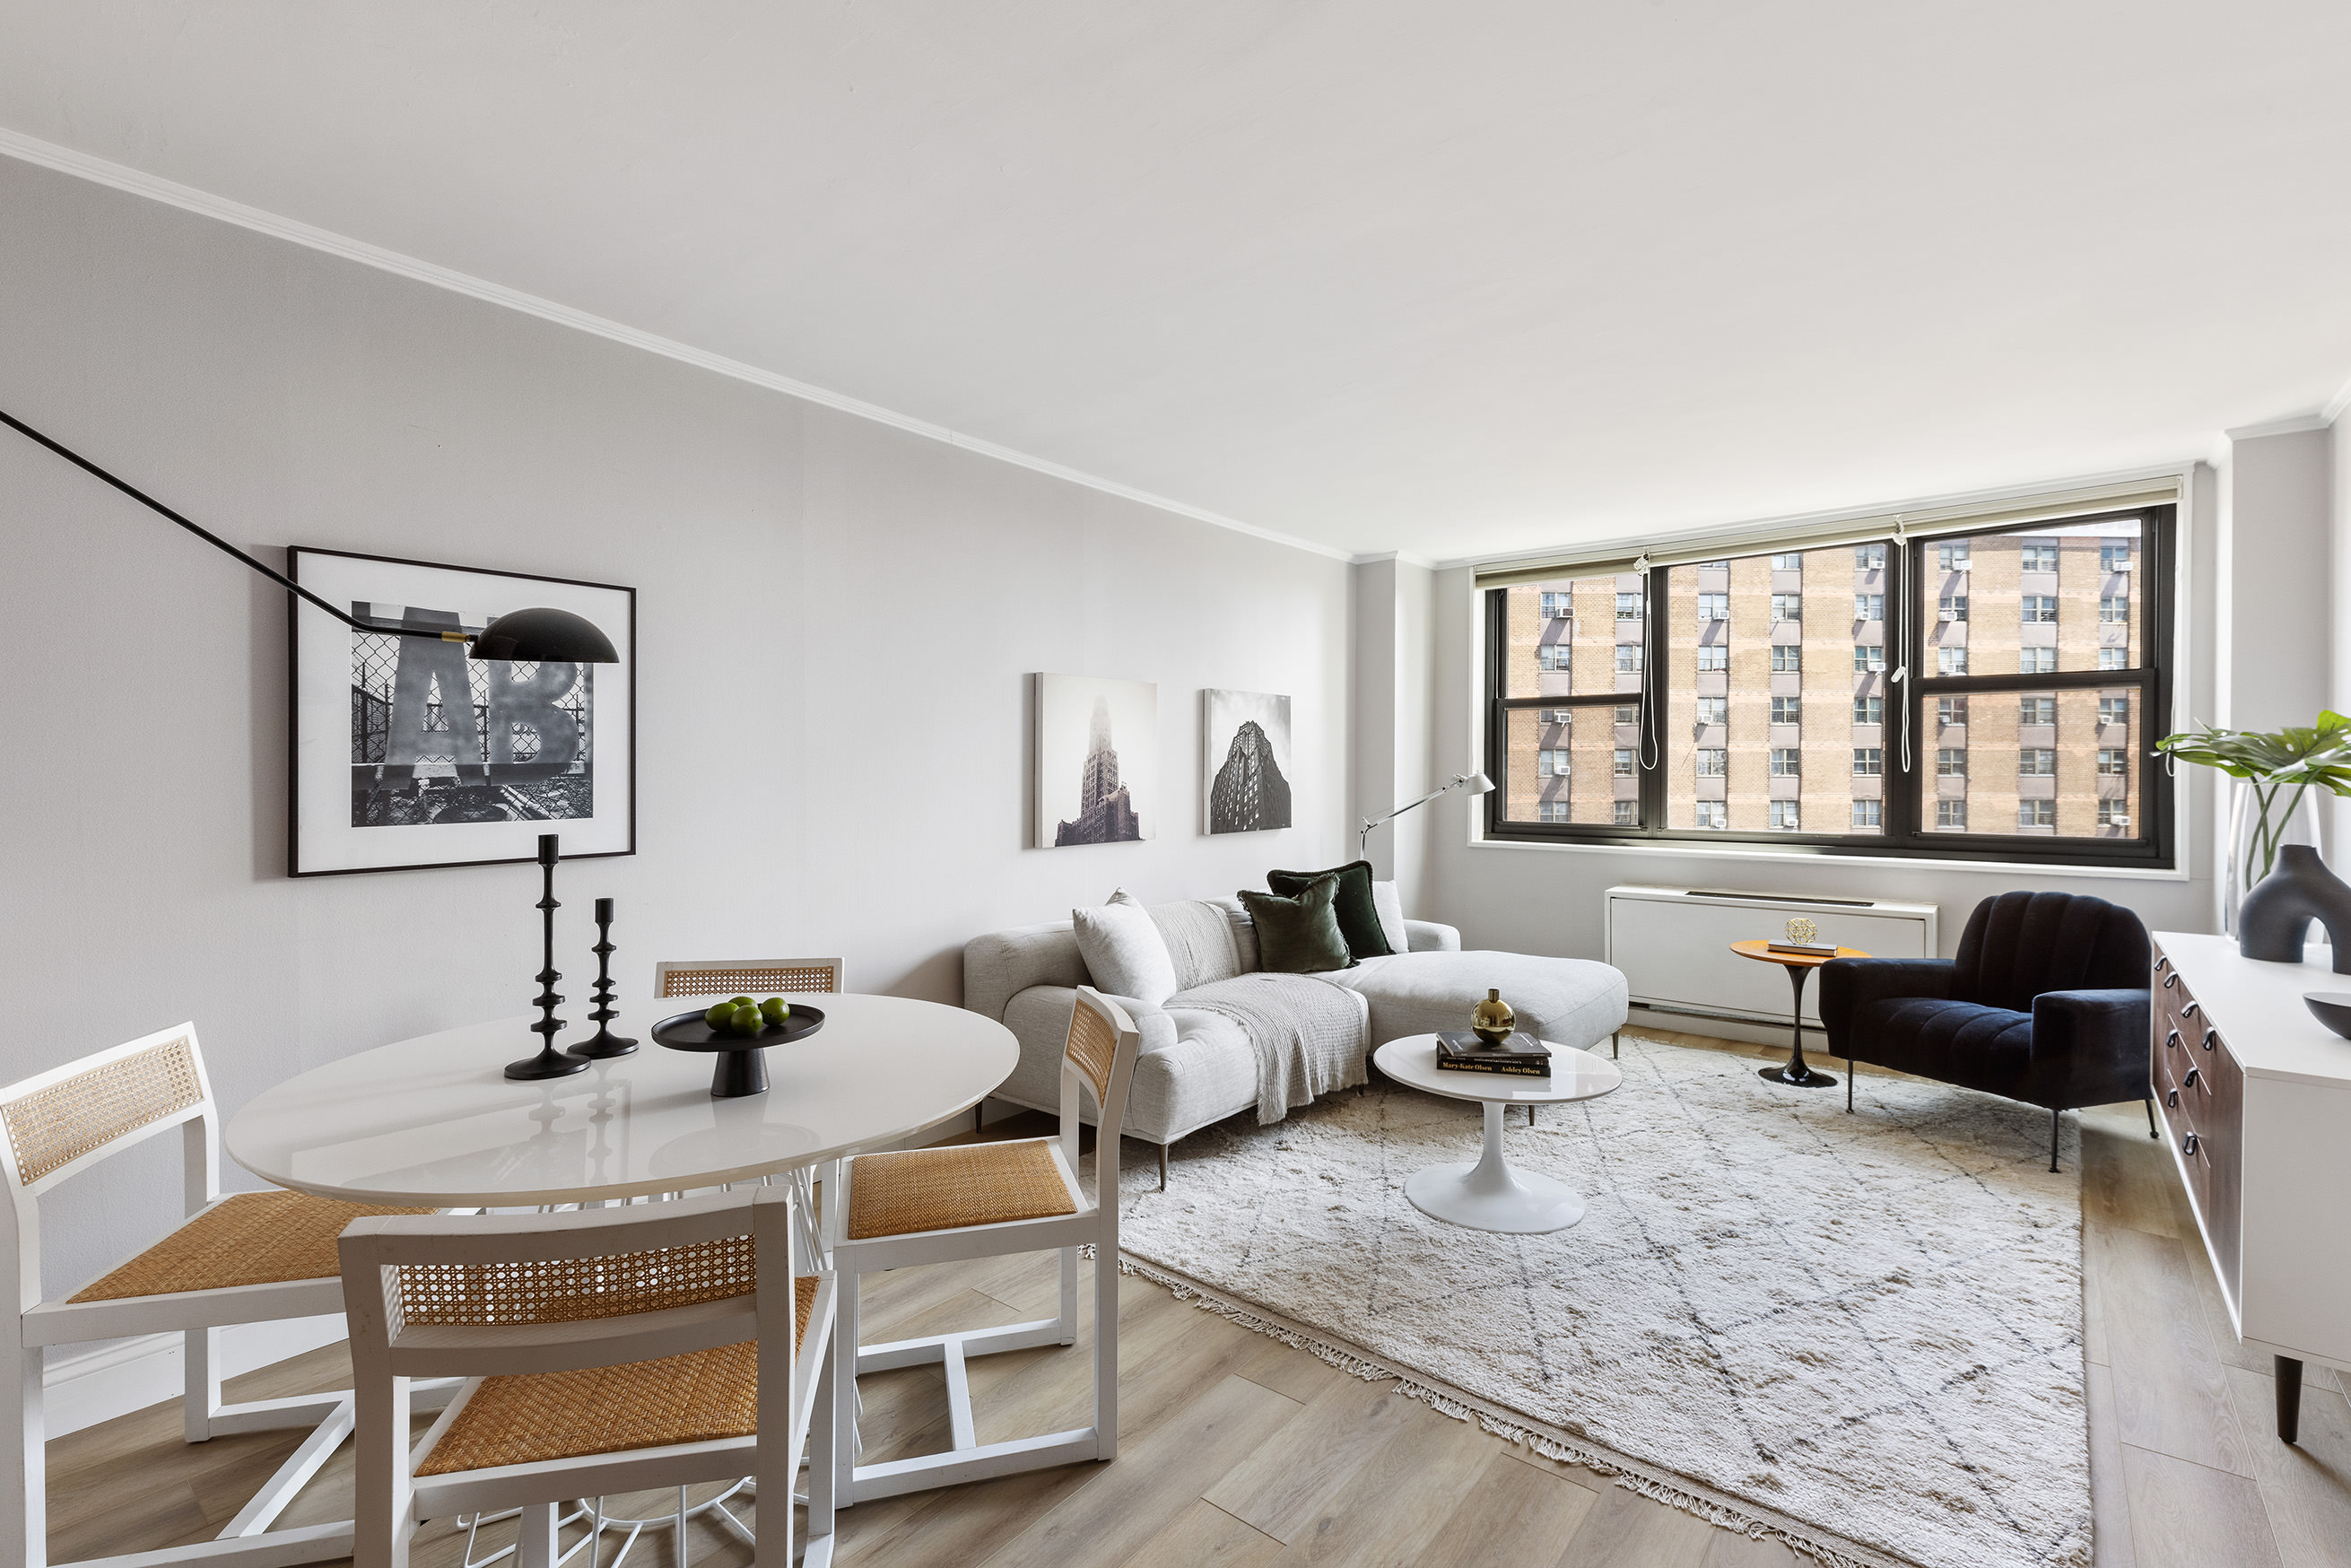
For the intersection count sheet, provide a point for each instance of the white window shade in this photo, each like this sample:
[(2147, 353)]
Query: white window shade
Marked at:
[(1921, 522)]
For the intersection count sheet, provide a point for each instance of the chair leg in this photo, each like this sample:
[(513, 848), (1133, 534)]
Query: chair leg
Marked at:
[(1106, 1347), (1068, 1319), (1848, 1085), (2150, 1118), (199, 1361), (535, 1547), (2055, 1118), (24, 1472), (842, 1441)]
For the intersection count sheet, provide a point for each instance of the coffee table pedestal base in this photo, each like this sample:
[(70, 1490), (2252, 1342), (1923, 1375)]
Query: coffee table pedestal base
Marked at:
[(1488, 1195)]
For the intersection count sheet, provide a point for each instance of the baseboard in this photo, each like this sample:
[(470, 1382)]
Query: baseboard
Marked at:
[(110, 1380)]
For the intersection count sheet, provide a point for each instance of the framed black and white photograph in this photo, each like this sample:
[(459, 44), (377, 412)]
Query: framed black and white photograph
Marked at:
[(1097, 762), (1244, 761), (408, 752)]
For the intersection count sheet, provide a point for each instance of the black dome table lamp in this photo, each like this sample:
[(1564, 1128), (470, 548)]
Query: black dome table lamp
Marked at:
[(556, 635)]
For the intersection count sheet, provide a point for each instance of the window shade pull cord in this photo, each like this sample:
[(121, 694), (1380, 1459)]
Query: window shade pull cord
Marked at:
[(1649, 755)]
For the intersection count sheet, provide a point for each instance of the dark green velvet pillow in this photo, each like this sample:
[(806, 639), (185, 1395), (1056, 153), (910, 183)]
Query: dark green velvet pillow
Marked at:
[(1358, 918), (1298, 935)]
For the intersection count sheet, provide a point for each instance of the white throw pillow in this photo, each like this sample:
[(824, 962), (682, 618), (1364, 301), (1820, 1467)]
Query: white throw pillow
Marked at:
[(1123, 950), (1388, 904)]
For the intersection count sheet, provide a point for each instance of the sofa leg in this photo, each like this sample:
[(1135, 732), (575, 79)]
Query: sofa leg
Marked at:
[(2055, 1118), (1615, 1045), (2150, 1118), (1163, 1168)]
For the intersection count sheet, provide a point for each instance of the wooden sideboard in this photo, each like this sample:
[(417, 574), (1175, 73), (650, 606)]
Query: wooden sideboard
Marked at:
[(2256, 1095)]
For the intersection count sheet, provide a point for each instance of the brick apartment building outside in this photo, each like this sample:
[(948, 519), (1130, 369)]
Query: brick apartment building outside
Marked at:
[(1779, 709)]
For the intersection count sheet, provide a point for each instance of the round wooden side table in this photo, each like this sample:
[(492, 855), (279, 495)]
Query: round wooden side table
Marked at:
[(1795, 1073)]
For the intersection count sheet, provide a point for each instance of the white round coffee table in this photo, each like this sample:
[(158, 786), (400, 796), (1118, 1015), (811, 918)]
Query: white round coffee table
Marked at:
[(1488, 1195)]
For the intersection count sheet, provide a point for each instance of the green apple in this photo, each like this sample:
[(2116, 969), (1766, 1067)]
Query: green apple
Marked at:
[(747, 1021), (777, 1009), (717, 1016)]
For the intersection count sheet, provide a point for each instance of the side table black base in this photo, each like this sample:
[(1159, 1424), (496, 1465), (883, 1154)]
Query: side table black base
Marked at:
[(1796, 1074)]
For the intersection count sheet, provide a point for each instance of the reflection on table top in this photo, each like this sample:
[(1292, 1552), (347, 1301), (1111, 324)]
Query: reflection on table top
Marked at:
[(434, 1119)]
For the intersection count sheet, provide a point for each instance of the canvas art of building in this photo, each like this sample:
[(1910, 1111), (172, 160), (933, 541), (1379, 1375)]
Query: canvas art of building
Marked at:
[(1244, 761), (1097, 756)]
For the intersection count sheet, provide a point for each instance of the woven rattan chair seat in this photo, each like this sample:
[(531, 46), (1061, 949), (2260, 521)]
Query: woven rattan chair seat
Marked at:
[(954, 1187), (702, 1397), (251, 1238)]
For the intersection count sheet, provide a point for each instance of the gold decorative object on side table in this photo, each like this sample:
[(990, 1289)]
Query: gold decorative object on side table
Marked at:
[(1492, 1020), (1802, 930)]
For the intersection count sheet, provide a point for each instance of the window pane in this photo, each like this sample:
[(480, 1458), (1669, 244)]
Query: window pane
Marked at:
[(1769, 692), (1569, 765), (1560, 638), (2054, 597), (2042, 764)]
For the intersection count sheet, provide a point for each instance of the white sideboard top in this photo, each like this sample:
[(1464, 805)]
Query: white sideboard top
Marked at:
[(2258, 1006)]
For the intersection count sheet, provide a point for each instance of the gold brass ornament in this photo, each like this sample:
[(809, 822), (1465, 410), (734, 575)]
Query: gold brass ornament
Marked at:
[(1492, 1020), (1802, 930)]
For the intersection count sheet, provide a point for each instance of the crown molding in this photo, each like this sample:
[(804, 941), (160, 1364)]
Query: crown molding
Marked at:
[(2296, 425), (2181, 470), (139, 183), (2337, 403), (1401, 557)]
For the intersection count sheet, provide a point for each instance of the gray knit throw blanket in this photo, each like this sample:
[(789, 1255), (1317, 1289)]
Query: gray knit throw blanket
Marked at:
[(1310, 1036)]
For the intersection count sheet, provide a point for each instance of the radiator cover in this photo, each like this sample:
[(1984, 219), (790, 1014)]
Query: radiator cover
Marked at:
[(1672, 944)]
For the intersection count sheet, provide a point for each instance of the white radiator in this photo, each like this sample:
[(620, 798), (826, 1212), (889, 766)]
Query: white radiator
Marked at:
[(1672, 944)]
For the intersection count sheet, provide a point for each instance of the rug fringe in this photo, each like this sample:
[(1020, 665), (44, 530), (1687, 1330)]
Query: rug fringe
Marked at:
[(1659, 1485)]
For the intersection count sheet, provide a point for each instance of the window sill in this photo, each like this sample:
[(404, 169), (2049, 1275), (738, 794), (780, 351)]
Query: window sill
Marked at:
[(1912, 862)]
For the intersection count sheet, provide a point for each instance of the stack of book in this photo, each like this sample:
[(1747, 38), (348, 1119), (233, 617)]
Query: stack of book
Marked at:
[(1808, 949), (1460, 1050)]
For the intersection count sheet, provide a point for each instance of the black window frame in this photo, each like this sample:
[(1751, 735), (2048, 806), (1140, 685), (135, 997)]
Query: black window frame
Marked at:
[(1907, 792)]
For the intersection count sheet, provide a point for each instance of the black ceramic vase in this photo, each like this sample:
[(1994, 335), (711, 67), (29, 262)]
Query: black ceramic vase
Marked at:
[(2274, 919)]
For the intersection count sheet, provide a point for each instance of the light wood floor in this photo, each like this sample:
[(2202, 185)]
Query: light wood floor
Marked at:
[(1238, 1450)]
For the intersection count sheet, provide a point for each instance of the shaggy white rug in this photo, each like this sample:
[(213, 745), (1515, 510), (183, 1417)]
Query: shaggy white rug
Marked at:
[(1862, 1334)]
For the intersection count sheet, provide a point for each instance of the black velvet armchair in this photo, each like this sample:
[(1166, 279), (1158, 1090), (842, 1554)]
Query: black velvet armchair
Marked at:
[(2047, 1002)]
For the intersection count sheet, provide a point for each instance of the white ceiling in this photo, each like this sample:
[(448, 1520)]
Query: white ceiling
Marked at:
[(1446, 278)]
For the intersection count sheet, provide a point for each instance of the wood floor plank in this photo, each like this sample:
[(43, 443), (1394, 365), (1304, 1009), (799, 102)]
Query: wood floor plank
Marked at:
[(2306, 1484), (1728, 1550), (1127, 1504), (2170, 1396), (958, 1526), (1389, 1512), (2109, 1504), (2188, 1515), (1206, 1536), (1514, 1515), (1629, 1531), (1281, 1488)]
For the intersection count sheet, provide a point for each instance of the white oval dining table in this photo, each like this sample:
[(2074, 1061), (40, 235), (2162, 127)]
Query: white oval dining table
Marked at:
[(434, 1119)]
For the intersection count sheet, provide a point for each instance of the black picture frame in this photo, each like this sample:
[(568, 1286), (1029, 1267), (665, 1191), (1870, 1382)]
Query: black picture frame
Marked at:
[(323, 702)]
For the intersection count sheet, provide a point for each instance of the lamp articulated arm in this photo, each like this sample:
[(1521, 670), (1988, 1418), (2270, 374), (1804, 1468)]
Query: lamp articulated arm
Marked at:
[(214, 540), (1476, 783)]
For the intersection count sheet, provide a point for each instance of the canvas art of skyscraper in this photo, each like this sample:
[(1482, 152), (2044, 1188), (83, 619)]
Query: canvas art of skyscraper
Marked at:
[(1097, 753)]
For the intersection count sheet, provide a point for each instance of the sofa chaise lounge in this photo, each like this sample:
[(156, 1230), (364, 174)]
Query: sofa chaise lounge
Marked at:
[(1204, 1055)]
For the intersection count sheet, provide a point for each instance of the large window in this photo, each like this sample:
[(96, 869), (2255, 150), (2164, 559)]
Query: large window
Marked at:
[(1997, 702)]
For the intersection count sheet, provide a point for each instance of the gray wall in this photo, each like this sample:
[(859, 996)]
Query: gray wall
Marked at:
[(837, 623)]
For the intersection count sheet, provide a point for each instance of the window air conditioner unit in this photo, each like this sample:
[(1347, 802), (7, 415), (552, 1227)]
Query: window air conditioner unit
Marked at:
[(2122, 565), (1946, 615)]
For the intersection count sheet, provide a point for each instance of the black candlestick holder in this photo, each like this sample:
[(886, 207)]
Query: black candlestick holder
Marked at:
[(550, 1062), (605, 1042)]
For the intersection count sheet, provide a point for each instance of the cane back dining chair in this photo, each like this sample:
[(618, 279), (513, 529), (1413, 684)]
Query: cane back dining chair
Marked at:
[(988, 1200), (604, 1349), (248, 1258), (746, 977)]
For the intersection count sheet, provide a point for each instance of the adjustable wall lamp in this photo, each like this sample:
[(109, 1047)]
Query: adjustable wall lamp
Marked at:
[(1476, 783), (556, 635)]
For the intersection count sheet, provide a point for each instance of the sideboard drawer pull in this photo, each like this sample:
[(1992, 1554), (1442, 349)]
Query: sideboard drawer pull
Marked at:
[(2171, 1041), (2163, 963), (2171, 980), (2171, 1099), (2210, 1036), (2191, 1010), (2195, 1076), (2189, 1145)]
